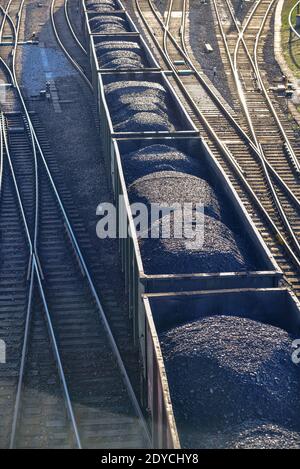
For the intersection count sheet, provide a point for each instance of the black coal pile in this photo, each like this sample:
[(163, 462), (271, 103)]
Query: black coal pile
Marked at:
[(120, 54), (264, 435), (102, 6), (226, 370), (108, 24), (158, 158), (169, 187), (137, 106), (210, 249), (203, 245)]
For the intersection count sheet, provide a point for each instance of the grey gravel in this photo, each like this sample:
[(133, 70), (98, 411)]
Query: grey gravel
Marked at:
[(128, 102), (226, 370), (108, 24), (241, 8), (158, 158), (202, 29), (120, 54)]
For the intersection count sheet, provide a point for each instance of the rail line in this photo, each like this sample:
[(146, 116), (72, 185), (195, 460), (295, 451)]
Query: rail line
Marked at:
[(292, 27), (245, 56), (48, 274), (266, 128), (70, 57), (230, 144)]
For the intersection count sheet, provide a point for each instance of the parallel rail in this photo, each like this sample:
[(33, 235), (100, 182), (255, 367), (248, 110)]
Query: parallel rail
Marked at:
[(242, 59), (52, 254), (72, 60), (230, 144)]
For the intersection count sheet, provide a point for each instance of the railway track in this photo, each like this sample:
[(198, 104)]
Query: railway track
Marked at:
[(270, 127), (65, 384), (296, 8), (64, 32), (272, 205)]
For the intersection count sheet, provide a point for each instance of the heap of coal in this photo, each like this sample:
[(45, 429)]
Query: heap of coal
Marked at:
[(158, 157), (138, 106), (210, 245), (212, 249), (120, 54), (108, 24), (169, 187), (102, 6), (226, 370), (264, 435)]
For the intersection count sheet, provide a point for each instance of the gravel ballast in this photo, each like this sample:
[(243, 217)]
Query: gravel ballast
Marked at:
[(158, 158), (226, 370), (128, 103)]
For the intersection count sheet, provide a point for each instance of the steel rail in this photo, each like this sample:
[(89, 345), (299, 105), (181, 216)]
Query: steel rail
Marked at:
[(33, 269), (69, 57), (291, 20), (77, 250), (226, 113), (13, 76), (20, 203), (261, 155), (266, 167), (182, 27), (226, 153), (5, 11), (200, 78), (58, 359), (287, 142), (256, 69), (71, 27)]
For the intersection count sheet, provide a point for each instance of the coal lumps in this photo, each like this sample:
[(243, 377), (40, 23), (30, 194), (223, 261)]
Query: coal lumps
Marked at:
[(120, 54), (108, 24), (226, 370), (102, 6), (129, 110), (210, 247), (158, 157)]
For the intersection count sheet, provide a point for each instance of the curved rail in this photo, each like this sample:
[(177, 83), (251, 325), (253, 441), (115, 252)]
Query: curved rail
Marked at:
[(5, 10), (291, 19), (202, 81), (13, 76), (229, 157), (32, 271), (85, 271), (69, 57), (261, 155), (255, 66), (34, 267), (75, 37)]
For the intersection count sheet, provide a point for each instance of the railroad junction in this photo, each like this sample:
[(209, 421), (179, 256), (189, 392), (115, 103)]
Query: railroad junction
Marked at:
[(135, 340)]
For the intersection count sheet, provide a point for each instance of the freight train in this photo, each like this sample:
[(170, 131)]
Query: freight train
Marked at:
[(213, 325)]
